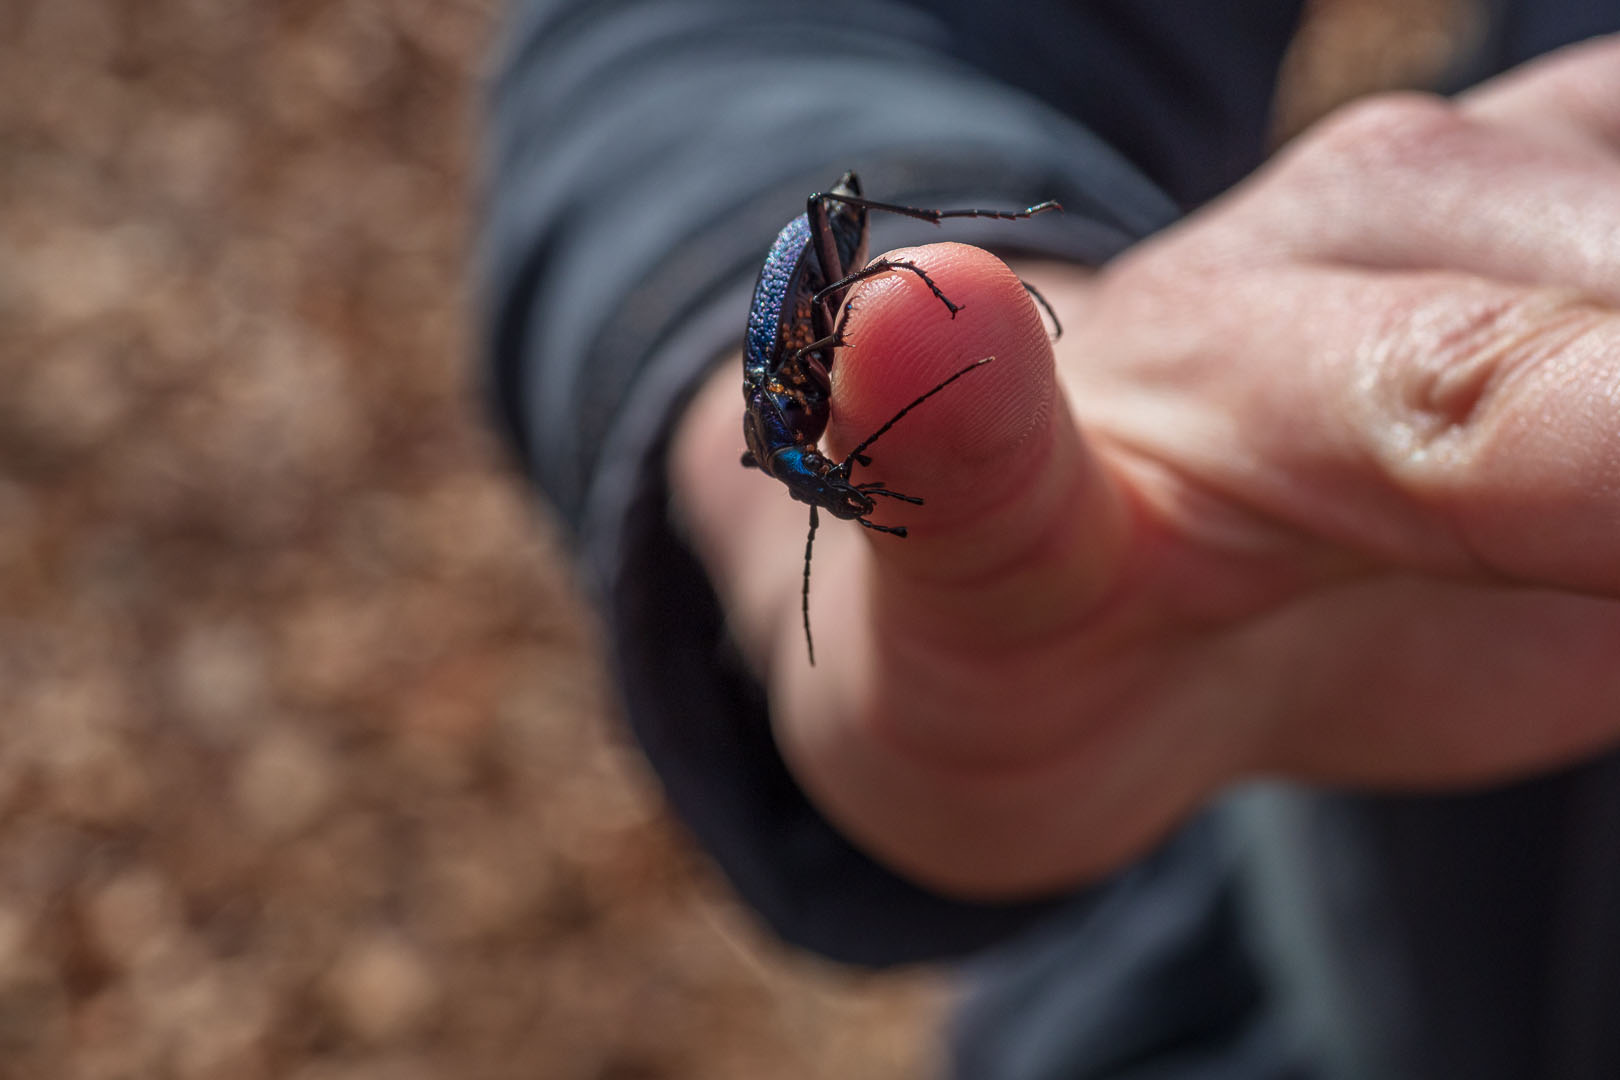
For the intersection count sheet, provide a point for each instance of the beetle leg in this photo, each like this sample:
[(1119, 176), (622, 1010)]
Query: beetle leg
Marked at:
[(939, 215), (834, 340), (1057, 327), (877, 488), (831, 341), (883, 266), (892, 530), (804, 594), (822, 238)]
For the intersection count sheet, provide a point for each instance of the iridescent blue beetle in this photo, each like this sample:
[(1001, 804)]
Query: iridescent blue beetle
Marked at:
[(788, 356)]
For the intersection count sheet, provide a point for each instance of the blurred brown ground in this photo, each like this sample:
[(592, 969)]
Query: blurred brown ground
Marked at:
[(307, 766)]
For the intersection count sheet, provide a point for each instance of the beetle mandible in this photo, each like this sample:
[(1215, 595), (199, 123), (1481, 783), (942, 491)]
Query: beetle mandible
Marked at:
[(788, 354)]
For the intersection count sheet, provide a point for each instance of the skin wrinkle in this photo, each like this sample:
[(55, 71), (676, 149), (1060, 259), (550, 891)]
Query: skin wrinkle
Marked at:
[(1115, 618), (1245, 532), (1257, 498), (1463, 408), (953, 602), (1108, 759), (1127, 696), (1255, 587), (1117, 623), (1452, 382), (912, 569), (980, 752)]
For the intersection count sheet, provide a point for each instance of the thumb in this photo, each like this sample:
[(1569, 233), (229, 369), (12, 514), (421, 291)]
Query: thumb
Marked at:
[(1021, 530)]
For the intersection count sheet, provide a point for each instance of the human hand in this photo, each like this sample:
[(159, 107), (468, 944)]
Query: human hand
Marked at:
[(1323, 482)]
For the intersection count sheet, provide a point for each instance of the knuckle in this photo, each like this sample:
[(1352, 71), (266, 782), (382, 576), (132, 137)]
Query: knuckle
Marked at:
[(1385, 129), (1450, 377), (1357, 167)]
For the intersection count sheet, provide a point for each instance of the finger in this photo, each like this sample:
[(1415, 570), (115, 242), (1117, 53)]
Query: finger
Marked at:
[(1414, 183), (1020, 529), (1434, 421), (1572, 96), (1413, 682)]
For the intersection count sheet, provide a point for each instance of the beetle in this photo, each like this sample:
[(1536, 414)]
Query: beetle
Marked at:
[(788, 354)]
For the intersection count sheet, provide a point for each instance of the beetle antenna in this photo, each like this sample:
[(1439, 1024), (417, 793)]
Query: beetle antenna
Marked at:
[(804, 595), (856, 453), (877, 488), (937, 215)]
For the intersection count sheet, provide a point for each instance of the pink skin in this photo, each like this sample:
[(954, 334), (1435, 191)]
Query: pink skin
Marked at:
[(1322, 483)]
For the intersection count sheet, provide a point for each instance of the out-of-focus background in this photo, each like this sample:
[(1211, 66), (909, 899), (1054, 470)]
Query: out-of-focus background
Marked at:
[(307, 764)]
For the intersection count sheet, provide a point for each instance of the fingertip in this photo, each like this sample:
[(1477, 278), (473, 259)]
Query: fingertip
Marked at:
[(1021, 525), (905, 341)]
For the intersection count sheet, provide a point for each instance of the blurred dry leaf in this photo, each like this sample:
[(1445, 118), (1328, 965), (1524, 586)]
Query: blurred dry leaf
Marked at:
[(309, 767)]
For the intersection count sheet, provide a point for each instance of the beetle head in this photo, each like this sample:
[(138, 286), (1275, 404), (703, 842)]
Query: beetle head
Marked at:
[(842, 499), (814, 479)]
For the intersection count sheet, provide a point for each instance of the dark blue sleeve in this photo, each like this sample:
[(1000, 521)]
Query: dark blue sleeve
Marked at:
[(642, 156), (1182, 88)]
